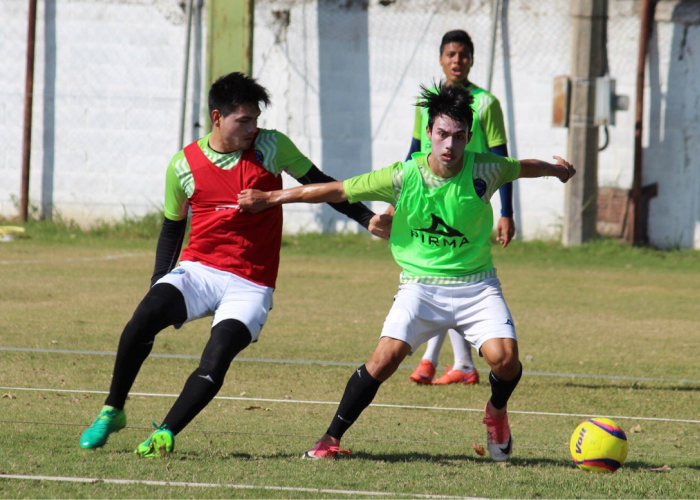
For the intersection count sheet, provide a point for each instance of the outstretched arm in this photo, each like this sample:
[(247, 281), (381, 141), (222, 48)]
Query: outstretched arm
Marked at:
[(356, 211), (252, 200), (562, 169)]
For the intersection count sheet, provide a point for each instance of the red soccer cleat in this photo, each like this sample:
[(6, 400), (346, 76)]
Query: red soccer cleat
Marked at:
[(458, 377), (324, 450), (424, 373), (498, 437)]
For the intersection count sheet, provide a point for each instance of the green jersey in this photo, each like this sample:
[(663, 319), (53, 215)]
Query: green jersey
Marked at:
[(488, 129), (441, 228), (277, 153)]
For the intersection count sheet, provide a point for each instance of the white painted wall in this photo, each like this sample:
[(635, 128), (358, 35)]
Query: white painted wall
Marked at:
[(533, 45), (343, 76), (108, 78)]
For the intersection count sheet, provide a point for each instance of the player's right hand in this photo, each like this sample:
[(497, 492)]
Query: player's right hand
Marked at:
[(568, 171)]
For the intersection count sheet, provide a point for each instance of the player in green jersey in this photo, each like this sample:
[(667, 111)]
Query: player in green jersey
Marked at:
[(440, 238), (488, 135)]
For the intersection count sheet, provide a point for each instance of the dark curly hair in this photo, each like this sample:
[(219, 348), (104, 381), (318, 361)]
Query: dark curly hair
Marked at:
[(454, 101)]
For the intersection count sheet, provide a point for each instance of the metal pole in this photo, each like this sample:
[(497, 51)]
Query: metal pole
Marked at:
[(28, 97), (495, 8), (185, 78), (637, 234)]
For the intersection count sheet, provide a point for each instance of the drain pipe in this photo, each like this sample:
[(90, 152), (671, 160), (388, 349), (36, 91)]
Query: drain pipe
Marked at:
[(28, 98), (638, 223)]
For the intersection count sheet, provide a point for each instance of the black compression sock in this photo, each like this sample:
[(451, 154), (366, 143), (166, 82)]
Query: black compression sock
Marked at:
[(359, 393), (502, 389), (162, 306), (228, 338), (199, 390)]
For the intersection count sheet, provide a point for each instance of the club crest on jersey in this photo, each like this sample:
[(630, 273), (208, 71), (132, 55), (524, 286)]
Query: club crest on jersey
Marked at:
[(259, 156), (480, 187), (439, 234)]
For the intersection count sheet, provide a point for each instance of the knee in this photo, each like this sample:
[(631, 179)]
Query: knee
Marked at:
[(228, 338), (506, 365), (146, 316), (386, 359)]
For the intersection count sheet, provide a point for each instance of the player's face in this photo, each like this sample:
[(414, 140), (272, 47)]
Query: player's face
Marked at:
[(456, 61), (237, 129), (448, 140)]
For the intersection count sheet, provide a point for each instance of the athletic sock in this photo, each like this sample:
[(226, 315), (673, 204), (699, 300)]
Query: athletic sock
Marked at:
[(359, 393), (199, 390), (463, 352), (433, 346), (228, 338), (162, 306), (502, 389)]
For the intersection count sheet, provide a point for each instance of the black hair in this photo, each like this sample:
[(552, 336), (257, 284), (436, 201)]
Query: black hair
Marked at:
[(232, 90), (454, 101), (458, 36)]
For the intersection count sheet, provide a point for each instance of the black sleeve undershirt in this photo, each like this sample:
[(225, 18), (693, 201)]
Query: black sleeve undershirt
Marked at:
[(356, 211), (168, 249)]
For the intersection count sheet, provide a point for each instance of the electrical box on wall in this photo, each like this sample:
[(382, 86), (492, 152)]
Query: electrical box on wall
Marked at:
[(607, 102)]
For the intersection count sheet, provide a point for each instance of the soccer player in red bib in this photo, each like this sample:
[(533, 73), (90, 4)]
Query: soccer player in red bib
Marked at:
[(229, 268)]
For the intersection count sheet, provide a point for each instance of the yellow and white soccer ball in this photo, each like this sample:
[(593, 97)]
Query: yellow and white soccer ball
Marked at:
[(599, 445)]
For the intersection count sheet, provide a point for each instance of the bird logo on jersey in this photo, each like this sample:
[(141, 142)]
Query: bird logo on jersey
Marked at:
[(444, 235)]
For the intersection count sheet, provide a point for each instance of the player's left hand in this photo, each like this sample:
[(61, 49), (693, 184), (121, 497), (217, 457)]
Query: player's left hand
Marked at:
[(253, 200), (380, 225), (505, 230)]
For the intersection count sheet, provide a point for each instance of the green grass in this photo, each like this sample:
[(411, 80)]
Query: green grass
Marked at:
[(603, 309)]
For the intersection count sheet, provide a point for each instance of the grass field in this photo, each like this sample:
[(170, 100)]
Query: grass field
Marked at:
[(603, 330)]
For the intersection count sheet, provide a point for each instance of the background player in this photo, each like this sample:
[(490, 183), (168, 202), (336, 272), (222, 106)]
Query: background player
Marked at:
[(229, 267), (488, 134), (440, 237)]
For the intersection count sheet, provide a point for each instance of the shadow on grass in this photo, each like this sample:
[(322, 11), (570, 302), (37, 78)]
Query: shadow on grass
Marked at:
[(427, 458)]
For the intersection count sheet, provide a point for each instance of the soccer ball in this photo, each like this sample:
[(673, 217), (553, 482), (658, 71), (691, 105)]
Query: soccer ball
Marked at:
[(599, 445)]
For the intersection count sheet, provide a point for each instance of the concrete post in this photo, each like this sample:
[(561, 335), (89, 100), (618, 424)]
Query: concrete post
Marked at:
[(589, 24)]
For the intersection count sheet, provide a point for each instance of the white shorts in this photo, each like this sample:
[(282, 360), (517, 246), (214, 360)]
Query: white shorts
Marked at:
[(477, 311), (224, 295)]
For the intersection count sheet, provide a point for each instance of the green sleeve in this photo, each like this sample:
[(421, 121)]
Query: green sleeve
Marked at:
[(379, 185), (492, 124), (175, 207), (282, 153), (508, 168), (417, 124)]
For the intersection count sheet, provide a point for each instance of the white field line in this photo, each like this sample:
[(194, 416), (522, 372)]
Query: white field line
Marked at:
[(95, 480), (375, 405), (345, 363), (76, 259)]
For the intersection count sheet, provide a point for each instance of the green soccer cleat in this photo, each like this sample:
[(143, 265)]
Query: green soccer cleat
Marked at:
[(159, 444), (108, 421)]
